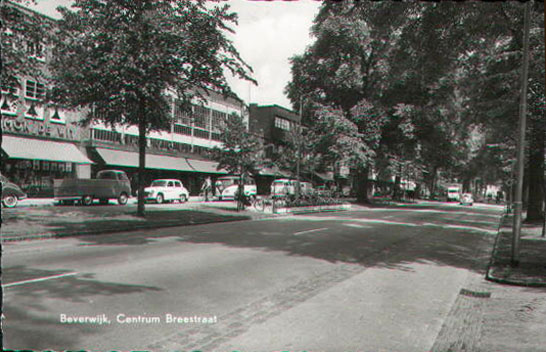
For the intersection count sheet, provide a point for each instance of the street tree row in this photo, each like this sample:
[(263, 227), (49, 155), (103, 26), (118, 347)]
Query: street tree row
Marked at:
[(427, 87)]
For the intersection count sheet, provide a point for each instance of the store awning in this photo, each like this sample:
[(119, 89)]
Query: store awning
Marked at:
[(130, 159), (324, 177), (273, 171), (39, 149), (209, 167)]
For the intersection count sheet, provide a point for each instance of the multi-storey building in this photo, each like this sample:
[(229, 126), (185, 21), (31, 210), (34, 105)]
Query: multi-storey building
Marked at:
[(42, 142), (277, 125)]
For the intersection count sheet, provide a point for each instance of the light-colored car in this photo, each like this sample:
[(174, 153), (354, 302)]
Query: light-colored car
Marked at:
[(166, 190), (283, 187), (286, 186), (466, 198), (227, 187)]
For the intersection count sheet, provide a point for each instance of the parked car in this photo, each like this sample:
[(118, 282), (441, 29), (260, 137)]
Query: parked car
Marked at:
[(166, 190), (283, 187), (11, 193), (287, 186), (466, 198), (227, 186), (109, 184)]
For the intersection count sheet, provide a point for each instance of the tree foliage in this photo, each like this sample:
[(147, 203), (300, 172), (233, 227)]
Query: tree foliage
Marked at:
[(240, 151), (437, 73), (127, 59)]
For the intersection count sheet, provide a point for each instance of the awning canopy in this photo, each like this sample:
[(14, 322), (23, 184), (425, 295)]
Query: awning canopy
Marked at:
[(273, 171), (209, 167), (324, 177), (39, 149), (130, 159)]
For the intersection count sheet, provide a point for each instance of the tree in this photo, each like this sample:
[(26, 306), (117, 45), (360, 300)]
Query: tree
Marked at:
[(492, 82), (440, 69), (126, 60), (241, 152)]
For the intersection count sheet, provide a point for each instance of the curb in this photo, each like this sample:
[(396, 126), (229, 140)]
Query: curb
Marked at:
[(116, 230), (153, 226), (506, 281), (314, 209)]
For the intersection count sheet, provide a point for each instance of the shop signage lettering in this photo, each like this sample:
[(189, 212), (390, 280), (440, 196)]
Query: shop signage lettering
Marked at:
[(37, 128)]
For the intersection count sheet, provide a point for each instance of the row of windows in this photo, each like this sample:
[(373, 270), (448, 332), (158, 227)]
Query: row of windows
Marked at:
[(107, 136), (33, 90), (34, 49), (111, 136), (201, 133), (186, 130), (201, 116)]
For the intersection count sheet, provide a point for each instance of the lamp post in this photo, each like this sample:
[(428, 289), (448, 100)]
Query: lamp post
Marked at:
[(518, 204)]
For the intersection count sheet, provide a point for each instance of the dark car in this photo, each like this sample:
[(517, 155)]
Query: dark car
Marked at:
[(11, 193)]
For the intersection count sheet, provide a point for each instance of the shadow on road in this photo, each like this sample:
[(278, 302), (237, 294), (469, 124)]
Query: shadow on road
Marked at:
[(446, 236), (78, 288)]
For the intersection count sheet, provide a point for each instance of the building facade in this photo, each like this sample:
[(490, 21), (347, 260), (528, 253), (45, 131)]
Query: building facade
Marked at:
[(42, 142), (277, 125)]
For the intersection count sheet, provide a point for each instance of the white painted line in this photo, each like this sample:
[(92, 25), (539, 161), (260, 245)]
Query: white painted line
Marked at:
[(309, 231), (38, 279)]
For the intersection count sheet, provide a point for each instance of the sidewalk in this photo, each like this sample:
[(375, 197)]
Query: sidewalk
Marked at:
[(49, 202), (42, 221), (531, 270)]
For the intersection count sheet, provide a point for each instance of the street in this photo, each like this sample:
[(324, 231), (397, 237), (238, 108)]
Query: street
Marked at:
[(373, 279)]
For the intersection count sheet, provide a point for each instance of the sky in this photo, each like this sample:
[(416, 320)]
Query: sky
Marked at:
[(268, 34)]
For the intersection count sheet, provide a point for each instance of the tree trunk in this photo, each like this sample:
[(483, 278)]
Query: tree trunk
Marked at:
[(536, 171), (362, 184), (141, 158)]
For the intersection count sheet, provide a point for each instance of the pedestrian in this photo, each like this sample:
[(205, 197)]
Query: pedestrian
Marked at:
[(206, 188)]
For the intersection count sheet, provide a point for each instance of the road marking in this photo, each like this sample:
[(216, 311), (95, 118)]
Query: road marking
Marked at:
[(309, 231), (38, 279)]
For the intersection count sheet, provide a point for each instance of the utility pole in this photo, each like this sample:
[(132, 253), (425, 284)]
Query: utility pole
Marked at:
[(518, 204), (298, 157)]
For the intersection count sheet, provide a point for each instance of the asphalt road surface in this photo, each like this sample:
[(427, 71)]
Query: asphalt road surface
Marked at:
[(380, 279)]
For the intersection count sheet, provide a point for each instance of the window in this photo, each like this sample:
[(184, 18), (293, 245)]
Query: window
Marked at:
[(201, 133), (182, 129), (201, 116), (178, 184), (10, 89), (107, 136), (181, 116), (281, 123), (36, 50), (218, 119), (34, 90), (171, 184)]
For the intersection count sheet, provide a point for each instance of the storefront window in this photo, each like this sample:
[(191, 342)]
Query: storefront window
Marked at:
[(36, 177)]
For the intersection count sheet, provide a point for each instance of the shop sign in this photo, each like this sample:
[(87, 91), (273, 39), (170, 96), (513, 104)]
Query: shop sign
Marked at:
[(38, 128)]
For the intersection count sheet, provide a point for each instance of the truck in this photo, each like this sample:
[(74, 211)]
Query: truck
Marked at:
[(454, 193), (109, 184)]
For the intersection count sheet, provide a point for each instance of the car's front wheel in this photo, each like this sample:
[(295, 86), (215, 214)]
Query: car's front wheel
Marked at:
[(9, 201), (87, 200), (183, 198), (159, 199), (123, 198)]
